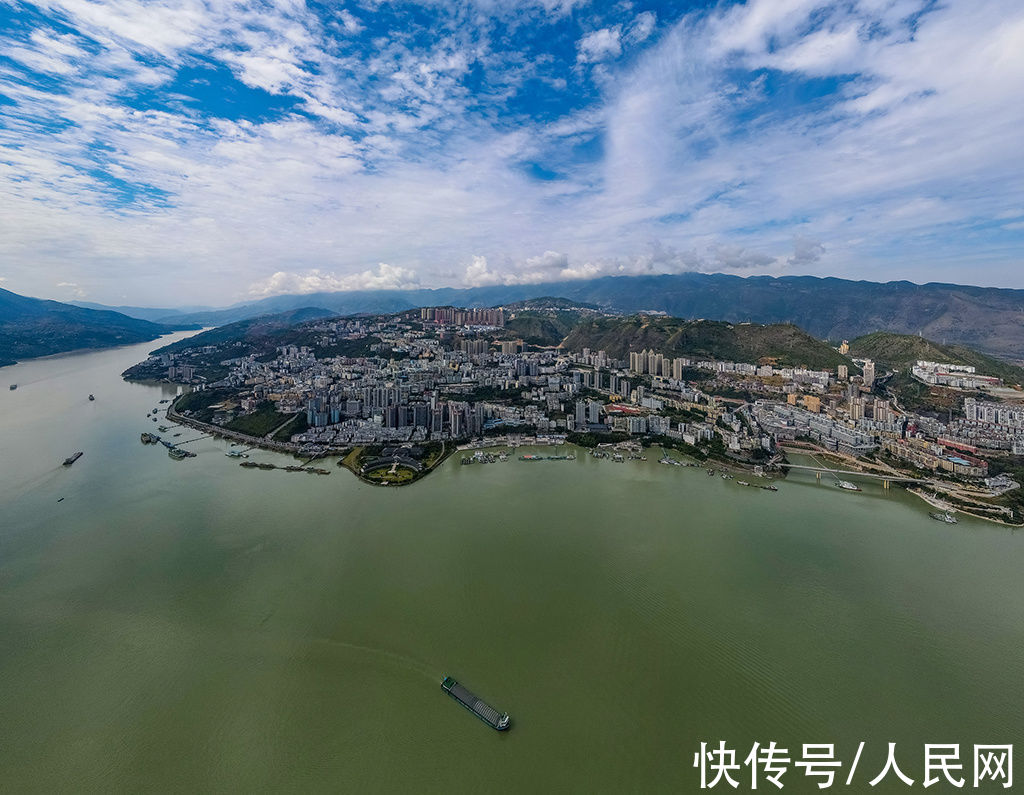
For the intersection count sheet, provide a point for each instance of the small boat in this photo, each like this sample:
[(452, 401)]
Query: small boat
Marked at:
[(770, 488), (946, 517), (61, 500), (742, 483), (845, 484), (92, 397), (72, 458), (13, 387)]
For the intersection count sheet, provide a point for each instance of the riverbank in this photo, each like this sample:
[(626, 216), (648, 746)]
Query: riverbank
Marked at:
[(348, 457), (962, 497), (942, 505), (224, 433)]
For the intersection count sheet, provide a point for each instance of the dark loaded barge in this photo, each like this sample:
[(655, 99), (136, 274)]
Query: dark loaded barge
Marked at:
[(483, 710), (71, 459)]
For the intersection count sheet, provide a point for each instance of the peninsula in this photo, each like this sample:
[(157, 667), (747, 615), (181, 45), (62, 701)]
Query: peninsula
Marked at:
[(393, 395)]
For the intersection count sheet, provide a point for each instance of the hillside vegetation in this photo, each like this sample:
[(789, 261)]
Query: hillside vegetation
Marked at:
[(746, 342), (900, 351), (544, 327)]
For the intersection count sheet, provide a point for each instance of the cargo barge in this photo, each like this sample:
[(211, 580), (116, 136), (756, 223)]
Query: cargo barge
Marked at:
[(480, 708)]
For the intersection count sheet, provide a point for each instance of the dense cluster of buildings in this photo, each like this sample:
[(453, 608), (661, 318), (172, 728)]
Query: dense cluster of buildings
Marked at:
[(953, 375), (441, 373), (453, 316)]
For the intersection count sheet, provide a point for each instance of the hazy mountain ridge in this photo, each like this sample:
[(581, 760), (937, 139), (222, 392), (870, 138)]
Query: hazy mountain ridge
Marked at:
[(31, 327), (250, 329), (152, 314), (988, 318)]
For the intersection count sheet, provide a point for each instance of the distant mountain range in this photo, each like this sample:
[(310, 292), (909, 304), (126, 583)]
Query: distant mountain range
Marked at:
[(250, 329), (152, 314), (31, 327), (989, 319)]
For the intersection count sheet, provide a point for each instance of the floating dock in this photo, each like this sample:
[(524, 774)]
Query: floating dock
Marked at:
[(479, 707)]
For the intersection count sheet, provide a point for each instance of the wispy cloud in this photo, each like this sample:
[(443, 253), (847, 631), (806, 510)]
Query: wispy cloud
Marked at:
[(198, 148)]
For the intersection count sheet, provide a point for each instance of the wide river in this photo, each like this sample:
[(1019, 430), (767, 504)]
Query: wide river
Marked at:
[(196, 626)]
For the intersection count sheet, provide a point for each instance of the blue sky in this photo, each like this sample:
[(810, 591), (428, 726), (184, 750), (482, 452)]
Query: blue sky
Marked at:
[(211, 151)]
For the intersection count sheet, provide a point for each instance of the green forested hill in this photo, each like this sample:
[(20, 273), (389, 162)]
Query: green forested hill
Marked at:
[(742, 342), (900, 351), (544, 326)]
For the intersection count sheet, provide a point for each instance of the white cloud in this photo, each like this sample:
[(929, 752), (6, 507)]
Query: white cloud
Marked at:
[(386, 277), (806, 251), (73, 289), (351, 24), (822, 53), (600, 45), (479, 274), (641, 28)]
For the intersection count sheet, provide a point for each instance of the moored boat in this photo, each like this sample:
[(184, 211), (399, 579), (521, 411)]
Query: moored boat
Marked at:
[(946, 517)]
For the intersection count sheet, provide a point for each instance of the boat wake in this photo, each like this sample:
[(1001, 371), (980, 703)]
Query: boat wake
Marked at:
[(404, 660)]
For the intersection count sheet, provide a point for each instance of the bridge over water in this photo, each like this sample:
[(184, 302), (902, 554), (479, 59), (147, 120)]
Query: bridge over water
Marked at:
[(856, 473)]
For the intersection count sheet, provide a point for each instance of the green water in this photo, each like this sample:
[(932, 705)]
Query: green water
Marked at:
[(195, 626)]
